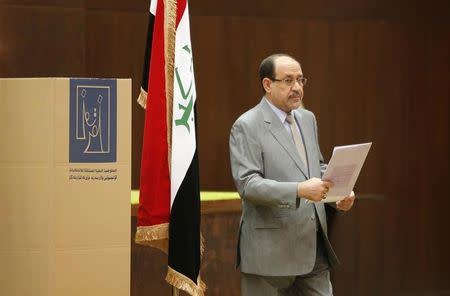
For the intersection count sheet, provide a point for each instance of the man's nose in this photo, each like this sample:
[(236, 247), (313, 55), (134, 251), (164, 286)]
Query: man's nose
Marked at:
[(297, 85)]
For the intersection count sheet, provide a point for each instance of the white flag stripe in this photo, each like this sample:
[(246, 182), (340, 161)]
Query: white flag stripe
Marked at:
[(183, 125), (153, 5)]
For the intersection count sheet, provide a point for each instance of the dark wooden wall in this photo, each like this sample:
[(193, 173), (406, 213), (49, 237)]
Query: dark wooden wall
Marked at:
[(220, 221), (378, 71)]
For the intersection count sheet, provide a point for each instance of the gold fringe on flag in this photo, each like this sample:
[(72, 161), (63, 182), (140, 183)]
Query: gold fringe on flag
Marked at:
[(202, 244), (170, 19), (156, 236), (142, 99), (184, 283)]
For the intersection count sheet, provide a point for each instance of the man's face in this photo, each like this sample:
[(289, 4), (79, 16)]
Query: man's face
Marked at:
[(283, 95)]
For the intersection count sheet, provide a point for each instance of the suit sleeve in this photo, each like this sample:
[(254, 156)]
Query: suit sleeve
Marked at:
[(247, 165)]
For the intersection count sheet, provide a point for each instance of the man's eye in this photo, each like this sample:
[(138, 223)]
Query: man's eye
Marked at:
[(288, 81)]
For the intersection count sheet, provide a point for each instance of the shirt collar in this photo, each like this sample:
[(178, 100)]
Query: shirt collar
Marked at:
[(280, 113)]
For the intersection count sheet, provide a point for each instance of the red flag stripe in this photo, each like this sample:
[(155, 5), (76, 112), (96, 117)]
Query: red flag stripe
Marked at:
[(154, 200)]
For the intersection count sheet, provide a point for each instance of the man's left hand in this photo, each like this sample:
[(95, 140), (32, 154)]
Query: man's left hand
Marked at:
[(346, 203)]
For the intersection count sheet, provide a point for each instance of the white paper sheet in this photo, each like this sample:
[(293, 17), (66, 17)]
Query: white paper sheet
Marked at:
[(343, 170)]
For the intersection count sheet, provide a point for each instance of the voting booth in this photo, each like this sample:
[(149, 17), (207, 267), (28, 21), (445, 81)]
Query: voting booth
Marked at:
[(65, 186)]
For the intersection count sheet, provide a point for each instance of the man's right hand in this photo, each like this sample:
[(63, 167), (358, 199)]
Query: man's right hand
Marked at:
[(313, 189)]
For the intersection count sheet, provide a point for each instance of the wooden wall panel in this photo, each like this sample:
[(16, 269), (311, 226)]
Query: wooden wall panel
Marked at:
[(41, 3), (218, 268), (383, 101), (368, 231), (41, 41), (118, 5), (148, 269), (341, 110), (315, 65), (400, 10), (438, 48), (219, 224)]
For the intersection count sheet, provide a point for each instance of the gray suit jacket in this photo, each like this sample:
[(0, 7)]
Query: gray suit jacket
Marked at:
[(277, 233)]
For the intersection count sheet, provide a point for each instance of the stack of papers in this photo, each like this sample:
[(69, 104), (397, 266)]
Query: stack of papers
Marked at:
[(343, 170)]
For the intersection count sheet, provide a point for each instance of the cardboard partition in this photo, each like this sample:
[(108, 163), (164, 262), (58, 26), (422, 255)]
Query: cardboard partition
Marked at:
[(65, 173)]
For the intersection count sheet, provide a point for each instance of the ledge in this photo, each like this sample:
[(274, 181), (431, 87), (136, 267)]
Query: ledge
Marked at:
[(211, 202)]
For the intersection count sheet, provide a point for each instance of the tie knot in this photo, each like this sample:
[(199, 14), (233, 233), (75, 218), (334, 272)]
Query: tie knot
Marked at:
[(289, 118)]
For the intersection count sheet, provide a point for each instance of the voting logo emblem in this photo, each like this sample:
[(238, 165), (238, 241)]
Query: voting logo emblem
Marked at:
[(93, 118)]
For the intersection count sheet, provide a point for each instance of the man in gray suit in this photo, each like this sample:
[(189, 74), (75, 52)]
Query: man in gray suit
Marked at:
[(277, 165)]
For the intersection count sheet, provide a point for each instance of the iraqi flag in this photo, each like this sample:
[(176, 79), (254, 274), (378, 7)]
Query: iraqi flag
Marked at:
[(169, 201)]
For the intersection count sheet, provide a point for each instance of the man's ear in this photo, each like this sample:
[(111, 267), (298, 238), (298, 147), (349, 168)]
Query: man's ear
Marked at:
[(266, 82)]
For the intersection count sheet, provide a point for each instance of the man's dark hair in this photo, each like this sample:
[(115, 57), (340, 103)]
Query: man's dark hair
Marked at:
[(267, 67)]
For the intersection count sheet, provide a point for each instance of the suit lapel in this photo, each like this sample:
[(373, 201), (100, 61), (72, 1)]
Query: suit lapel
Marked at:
[(281, 135)]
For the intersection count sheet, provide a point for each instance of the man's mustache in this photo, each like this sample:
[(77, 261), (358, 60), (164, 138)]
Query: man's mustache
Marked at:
[(296, 94)]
